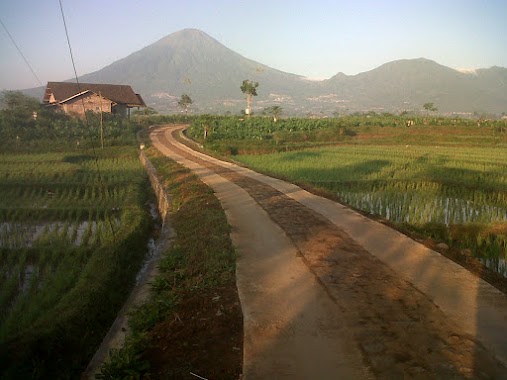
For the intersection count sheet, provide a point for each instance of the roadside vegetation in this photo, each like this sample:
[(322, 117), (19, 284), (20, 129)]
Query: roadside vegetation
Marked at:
[(193, 300), (74, 227), (435, 177), (74, 224)]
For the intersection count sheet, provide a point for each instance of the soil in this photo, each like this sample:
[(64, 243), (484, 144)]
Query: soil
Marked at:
[(399, 330), (206, 333)]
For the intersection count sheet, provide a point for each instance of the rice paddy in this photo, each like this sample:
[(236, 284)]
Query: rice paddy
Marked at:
[(420, 186), (67, 220)]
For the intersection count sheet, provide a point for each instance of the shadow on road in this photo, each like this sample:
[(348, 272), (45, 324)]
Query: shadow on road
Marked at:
[(324, 290)]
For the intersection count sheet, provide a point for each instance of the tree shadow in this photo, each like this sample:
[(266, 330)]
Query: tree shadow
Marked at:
[(337, 178)]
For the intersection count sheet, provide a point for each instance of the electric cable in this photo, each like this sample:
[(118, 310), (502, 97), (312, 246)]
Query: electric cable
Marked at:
[(21, 53), (103, 188)]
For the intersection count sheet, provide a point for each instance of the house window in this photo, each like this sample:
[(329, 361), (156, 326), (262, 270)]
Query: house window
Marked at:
[(97, 108)]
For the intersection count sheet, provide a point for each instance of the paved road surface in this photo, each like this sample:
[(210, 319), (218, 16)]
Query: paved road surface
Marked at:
[(329, 294)]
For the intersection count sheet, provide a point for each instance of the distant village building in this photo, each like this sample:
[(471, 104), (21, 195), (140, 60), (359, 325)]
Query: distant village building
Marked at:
[(75, 99)]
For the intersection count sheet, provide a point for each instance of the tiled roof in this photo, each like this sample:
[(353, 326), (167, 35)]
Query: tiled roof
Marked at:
[(118, 93)]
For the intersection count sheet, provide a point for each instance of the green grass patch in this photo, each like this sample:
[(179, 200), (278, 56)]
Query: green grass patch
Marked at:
[(200, 259), (418, 171), (418, 187), (258, 135), (73, 232)]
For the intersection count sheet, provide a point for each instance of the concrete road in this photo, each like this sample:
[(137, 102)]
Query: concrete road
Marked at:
[(329, 294)]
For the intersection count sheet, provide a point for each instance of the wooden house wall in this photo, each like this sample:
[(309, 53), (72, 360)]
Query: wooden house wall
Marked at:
[(92, 102)]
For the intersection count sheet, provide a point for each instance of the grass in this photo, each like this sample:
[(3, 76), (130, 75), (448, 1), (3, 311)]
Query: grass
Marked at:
[(60, 292), (415, 187), (440, 174), (258, 135), (361, 165), (200, 261)]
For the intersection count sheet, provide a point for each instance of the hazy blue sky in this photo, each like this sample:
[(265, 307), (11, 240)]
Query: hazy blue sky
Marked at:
[(316, 38)]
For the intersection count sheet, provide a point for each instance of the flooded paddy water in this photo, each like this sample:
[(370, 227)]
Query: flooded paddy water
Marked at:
[(419, 208), (31, 269), (27, 235), (423, 208)]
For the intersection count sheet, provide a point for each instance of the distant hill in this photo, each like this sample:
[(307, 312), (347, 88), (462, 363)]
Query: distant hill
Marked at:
[(190, 61), (407, 84)]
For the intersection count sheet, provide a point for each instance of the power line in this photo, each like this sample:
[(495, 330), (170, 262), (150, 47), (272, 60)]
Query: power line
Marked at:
[(84, 112), (21, 53), (70, 48)]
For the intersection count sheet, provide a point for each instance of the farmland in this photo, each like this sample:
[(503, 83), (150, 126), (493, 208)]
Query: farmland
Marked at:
[(232, 135), (67, 233), (74, 228), (442, 178)]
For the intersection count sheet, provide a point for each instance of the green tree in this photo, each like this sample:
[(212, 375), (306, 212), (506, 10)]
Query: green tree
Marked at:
[(274, 111), (250, 89), (185, 102), (430, 107), (18, 113), (18, 102)]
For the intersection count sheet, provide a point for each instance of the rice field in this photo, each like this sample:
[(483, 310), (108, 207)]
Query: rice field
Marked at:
[(453, 188), (58, 210)]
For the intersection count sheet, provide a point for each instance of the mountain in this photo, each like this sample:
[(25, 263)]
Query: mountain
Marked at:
[(407, 84), (190, 61)]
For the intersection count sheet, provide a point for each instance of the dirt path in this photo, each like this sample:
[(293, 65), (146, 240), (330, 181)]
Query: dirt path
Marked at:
[(328, 294)]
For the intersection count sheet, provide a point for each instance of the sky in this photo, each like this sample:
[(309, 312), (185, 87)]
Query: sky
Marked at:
[(316, 39)]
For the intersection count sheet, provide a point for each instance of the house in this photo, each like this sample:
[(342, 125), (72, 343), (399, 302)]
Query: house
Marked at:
[(73, 98)]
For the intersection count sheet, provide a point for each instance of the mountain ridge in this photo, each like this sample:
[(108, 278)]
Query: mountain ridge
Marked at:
[(190, 61)]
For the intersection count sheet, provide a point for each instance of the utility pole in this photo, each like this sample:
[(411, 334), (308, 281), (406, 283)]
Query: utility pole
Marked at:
[(101, 122)]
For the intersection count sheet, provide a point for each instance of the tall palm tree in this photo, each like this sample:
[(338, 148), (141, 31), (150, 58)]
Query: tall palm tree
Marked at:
[(185, 102), (250, 89)]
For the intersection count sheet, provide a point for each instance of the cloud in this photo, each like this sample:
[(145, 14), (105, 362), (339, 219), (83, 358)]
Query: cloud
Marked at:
[(467, 71)]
